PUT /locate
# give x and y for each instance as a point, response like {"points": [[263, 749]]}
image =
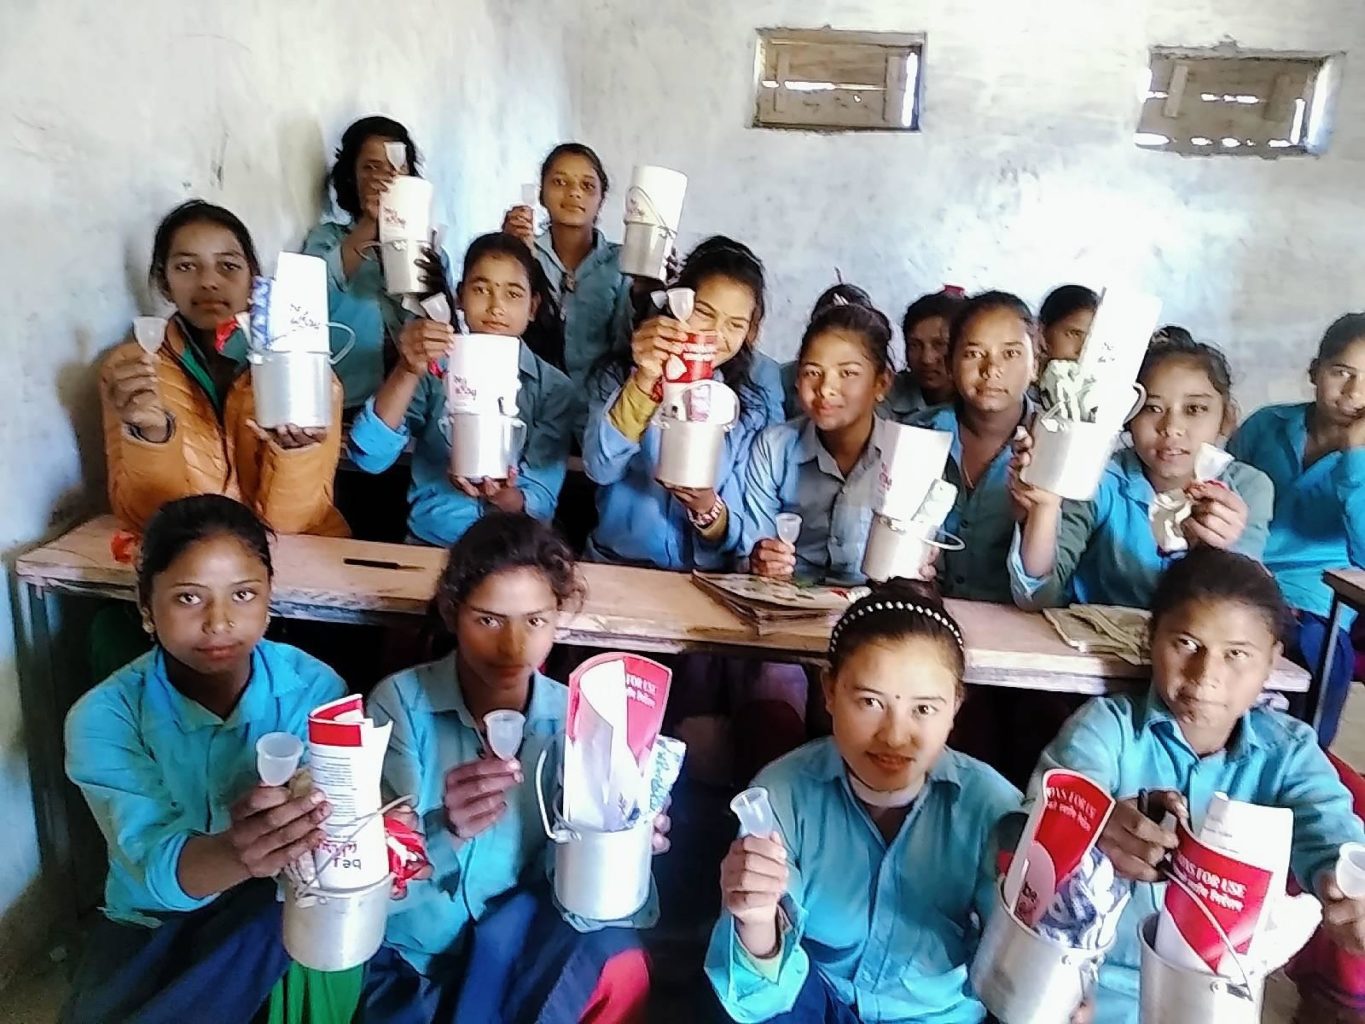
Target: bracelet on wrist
{"points": [[707, 519]]}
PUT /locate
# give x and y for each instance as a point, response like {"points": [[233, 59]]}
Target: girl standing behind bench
{"points": [[179, 421]]}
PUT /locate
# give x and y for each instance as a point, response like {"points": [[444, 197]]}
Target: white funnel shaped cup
{"points": [[277, 757], [505, 730], [788, 527], [755, 812], [1351, 870]]}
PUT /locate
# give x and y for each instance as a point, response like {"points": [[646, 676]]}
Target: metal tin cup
{"points": [[335, 930], [1024, 978], [291, 387], [484, 444], [690, 453], [1170, 994], [897, 549], [601, 876]]}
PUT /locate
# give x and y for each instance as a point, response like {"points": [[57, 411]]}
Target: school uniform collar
{"points": [[810, 449], [528, 363], [597, 252], [1154, 716], [905, 395], [945, 417], [829, 766], [1128, 467], [166, 704], [442, 687]]}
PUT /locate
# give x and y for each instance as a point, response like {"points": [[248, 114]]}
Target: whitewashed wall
{"points": [[1025, 174], [111, 113]]}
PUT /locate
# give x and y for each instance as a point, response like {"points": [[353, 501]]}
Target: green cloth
{"points": [[116, 638], [306, 996]]}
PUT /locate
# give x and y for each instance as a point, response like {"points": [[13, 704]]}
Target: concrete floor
{"points": [[36, 997]]}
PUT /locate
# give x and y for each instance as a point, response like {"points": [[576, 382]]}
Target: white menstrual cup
{"points": [[788, 527], [530, 195], [397, 154], [755, 812], [277, 757], [505, 730], [149, 332], [1351, 870]]}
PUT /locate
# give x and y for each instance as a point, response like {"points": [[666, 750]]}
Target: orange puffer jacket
{"points": [[290, 489]]}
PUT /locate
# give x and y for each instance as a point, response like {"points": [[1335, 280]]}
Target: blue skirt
{"points": [[524, 965], [215, 965]]}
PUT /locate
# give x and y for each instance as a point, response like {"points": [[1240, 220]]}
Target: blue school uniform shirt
{"points": [[439, 512], [596, 309], [158, 768], [1319, 520], [1106, 553], [638, 521], [790, 470], [982, 518], [905, 400], [433, 732], [1131, 743], [893, 926], [362, 304]]}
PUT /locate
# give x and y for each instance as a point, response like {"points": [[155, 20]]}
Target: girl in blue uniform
{"points": [[501, 292], [356, 295], [925, 382], [1064, 320], [1103, 551], [640, 521], [164, 752], [481, 941], [1217, 620], [1314, 453], [825, 464], [991, 347], [867, 902], [842, 293]]}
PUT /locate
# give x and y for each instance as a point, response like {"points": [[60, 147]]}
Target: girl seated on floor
{"points": [[866, 903], [1103, 551], [502, 291], [482, 939], [164, 752], [1217, 624]]}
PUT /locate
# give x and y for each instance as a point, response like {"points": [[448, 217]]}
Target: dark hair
{"points": [[898, 610], [1172, 332], [1344, 330], [575, 149], [196, 211], [343, 177], [1062, 302], [871, 325], [545, 333], [988, 302], [1166, 347], [841, 294], [509, 540], [717, 256], [1212, 574], [179, 524], [943, 304]]}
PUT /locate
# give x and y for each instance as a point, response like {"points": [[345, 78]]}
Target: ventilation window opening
{"points": [[1246, 104], [832, 80]]}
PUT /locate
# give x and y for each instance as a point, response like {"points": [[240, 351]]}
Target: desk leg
{"points": [[41, 695], [1318, 684]]}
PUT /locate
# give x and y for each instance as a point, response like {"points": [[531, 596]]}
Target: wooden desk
{"points": [[1348, 589], [643, 609]]}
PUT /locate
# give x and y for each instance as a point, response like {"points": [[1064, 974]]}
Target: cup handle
{"points": [[1137, 405]]}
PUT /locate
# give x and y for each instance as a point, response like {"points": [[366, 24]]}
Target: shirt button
{"points": [[959, 579]]}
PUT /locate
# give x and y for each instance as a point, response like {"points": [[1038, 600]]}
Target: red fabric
{"points": [[1321, 969], [622, 992]]}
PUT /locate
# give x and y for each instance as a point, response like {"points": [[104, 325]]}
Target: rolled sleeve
{"points": [[373, 445], [1323, 816], [752, 990]]}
